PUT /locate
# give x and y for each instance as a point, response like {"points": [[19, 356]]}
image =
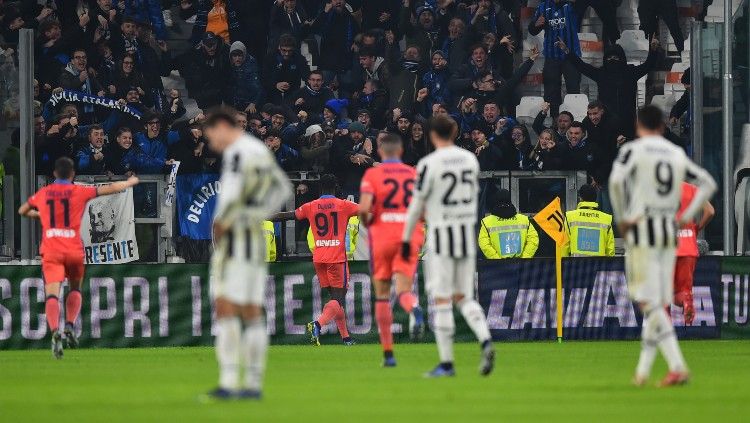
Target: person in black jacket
{"points": [[489, 154], [206, 71], [581, 154], [312, 97], [559, 126], [550, 151], [607, 12], [283, 71], [337, 28], [604, 132], [617, 81], [649, 13]]}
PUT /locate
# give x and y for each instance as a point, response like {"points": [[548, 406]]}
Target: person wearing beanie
{"points": [[424, 32], [244, 91], [589, 229], [333, 112], [505, 233]]}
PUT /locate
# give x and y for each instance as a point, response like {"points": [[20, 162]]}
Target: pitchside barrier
{"points": [[168, 304]]}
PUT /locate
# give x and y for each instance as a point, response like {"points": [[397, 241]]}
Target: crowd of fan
{"points": [[381, 66]]}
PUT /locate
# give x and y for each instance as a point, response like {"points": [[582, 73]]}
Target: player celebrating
{"points": [[687, 253], [60, 207], [645, 186], [446, 192], [386, 192], [328, 216], [252, 187]]}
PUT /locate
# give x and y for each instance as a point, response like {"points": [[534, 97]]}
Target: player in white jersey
{"points": [[645, 187], [446, 193], [252, 188]]}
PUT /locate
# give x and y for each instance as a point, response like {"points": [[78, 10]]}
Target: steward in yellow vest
{"points": [[589, 229], [270, 236], [507, 234]]}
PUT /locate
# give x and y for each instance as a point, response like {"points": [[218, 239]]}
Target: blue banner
{"points": [[196, 199], [71, 96], [519, 298]]}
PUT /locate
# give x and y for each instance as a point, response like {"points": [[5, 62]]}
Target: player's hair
{"points": [[587, 193], [391, 143], [444, 127], [650, 118], [596, 104], [221, 115], [327, 184], [64, 168]]}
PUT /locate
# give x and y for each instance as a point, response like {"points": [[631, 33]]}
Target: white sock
{"points": [[475, 318], [648, 347], [228, 351], [445, 327], [255, 346], [667, 342]]}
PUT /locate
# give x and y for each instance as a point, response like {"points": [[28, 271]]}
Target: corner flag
{"points": [[552, 220]]}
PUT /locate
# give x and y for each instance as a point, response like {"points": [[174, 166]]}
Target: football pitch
{"points": [[575, 381]]}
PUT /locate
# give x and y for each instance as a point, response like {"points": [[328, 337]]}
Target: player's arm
{"points": [[620, 169], [281, 216], [708, 214], [116, 187], [532, 242], [365, 206], [706, 186], [485, 244], [27, 211], [416, 207]]}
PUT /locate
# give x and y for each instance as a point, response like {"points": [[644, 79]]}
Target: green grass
{"points": [[575, 381]]}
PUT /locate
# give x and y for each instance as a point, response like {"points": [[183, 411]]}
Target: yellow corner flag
{"points": [[552, 220]]}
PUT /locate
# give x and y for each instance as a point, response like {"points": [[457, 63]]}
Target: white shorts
{"points": [[239, 274], [447, 276], [650, 274]]}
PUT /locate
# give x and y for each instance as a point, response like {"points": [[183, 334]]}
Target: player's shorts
{"points": [[56, 266], [386, 259], [238, 277], [650, 272], [332, 275], [683, 274], [447, 276]]}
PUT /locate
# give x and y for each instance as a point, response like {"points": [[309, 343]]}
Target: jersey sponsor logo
{"points": [[327, 243], [393, 217], [557, 23], [59, 233], [685, 233]]}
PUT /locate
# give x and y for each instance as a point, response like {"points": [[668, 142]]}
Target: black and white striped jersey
{"points": [[645, 188], [446, 192], [253, 186]]}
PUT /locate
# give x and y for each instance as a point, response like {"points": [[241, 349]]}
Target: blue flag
{"points": [[196, 199]]}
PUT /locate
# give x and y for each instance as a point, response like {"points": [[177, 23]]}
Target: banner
{"points": [[169, 305], [171, 184], [108, 229], [71, 96], [519, 298], [196, 199]]}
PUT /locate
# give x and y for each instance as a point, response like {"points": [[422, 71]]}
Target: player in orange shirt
{"points": [[328, 217], [59, 207], [687, 253], [386, 191]]}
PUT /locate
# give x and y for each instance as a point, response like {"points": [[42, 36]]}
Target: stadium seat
{"points": [[528, 108], [634, 43], [592, 50], [672, 84], [577, 104]]}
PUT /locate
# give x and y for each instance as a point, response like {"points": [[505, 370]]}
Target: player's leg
{"points": [[404, 271], [384, 319], [54, 274], [472, 312], [330, 309], [438, 273], [637, 271], [668, 346], [74, 268], [683, 287], [338, 294], [255, 348]]}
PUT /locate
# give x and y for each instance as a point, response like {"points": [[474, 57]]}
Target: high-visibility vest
{"points": [[352, 235], [508, 238], [589, 232], [269, 234]]}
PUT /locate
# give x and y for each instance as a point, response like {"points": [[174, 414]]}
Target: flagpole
{"points": [[558, 291]]}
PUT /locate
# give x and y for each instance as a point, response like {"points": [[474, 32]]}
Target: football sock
{"points": [[341, 323], [667, 342], [648, 347], [52, 311], [474, 316], [407, 301], [330, 309], [228, 351], [445, 327], [72, 306], [255, 347], [384, 317]]}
